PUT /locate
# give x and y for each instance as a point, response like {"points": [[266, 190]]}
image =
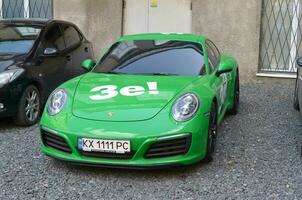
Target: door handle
{"points": [[68, 58]]}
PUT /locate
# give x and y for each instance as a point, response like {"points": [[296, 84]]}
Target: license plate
{"points": [[99, 145]]}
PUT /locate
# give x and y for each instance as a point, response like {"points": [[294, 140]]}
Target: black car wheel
{"points": [[212, 134], [234, 109], [29, 107], [296, 99]]}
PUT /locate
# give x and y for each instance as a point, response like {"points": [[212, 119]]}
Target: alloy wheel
{"points": [[32, 105]]}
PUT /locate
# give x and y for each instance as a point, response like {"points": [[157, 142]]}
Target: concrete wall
{"points": [[100, 20], [234, 25]]}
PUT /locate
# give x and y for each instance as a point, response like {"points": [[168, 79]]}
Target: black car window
{"points": [[153, 57], [213, 54], [71, 35], [17, 39], [54, 38], [212, 58]]}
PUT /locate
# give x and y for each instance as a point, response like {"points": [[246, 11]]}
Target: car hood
{"points": [[107, 97], [8, 60]]}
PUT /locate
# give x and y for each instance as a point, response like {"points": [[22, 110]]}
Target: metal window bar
{"points": [[26, 9], [281, 36]]}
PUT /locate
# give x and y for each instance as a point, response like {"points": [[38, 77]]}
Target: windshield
{"points": [[17, 39], [153, 57]]}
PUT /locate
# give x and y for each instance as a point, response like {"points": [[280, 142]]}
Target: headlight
{"points": [[10, 75], [185, 107], [56, 102]]}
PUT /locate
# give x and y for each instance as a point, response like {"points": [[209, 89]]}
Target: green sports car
{"points": [[152, 100]]}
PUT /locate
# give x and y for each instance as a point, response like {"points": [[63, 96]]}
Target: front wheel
{"points": [[296, 99], [212, 134], [234, 109], [29, 107]]}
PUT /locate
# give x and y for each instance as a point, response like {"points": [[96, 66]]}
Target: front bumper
{"points": [[142, 135]]}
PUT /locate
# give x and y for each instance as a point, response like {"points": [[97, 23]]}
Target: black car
{"points": [[36, 56], [298, 87]]}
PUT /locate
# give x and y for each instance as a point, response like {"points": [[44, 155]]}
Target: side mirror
{"points": [[299, 62], [226, 65], [88, 64], [50, 52]]}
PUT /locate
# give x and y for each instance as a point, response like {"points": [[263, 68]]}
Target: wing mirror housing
{"points": [[88, 64], [226, 65], [50, 52], [299, 62]]}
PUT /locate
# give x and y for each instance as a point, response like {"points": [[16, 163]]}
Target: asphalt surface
{"points": [[257, 157]]}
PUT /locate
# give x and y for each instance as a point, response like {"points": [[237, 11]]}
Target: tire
{"points": [[212, 134], [296, 99], [234, 109], [29, 108]]}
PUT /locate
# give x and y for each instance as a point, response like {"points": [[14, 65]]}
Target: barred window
{"points": [[26, 8]]}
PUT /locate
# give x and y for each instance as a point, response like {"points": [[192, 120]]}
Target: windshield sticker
{"points": [[111, 91]]}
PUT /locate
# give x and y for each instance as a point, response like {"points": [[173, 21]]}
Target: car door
{"points": [[77, 48], [50, 68], [220, 83]]}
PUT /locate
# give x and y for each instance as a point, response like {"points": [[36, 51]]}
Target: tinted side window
{"points": [[72, 37], [54, 38], [211, 58], [213, 54], [215, 50]]}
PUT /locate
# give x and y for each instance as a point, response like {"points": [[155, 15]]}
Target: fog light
{"points": [[1, 106]]}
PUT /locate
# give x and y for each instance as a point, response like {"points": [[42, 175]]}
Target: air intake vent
{"points": [[55, 141], [169, 148], [125, 156]]}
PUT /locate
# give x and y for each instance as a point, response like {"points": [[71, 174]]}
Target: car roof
{"points": [[31, 21], [164, 36]]}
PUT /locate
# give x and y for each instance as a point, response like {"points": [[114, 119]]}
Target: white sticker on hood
{"points": [[110, 91]]}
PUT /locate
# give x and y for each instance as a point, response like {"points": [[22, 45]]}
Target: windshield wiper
{"points": [[148, 74], [112, 72], [159, 74]]}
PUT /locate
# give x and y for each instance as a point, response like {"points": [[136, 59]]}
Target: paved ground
{"points": [[258, 157]]}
